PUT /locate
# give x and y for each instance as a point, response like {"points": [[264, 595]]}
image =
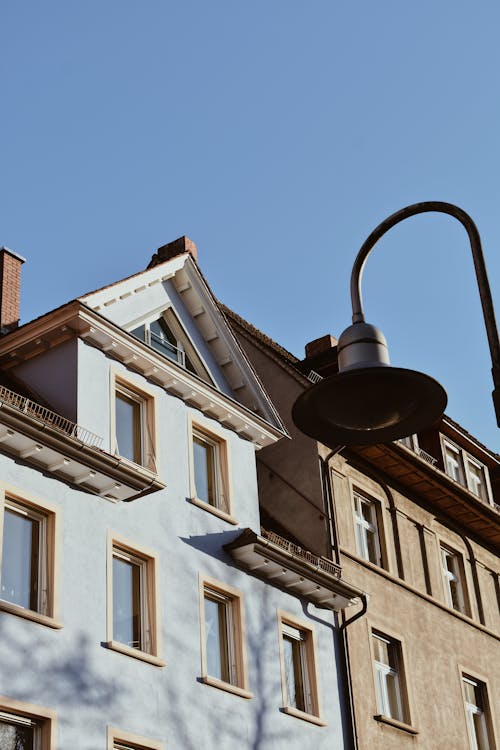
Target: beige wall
{"points": [[438, 643]]}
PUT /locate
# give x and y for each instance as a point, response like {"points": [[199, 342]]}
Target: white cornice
{"points": [[77, 320]]}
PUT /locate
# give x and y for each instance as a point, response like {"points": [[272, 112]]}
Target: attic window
{"points": [[165, 334]]}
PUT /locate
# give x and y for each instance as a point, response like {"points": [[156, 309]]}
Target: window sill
{"points": [[29, 614], [212, 509], [291, 711], [135, 653], [396, 724], [214, 682]]}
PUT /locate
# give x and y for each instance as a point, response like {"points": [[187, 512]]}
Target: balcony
{"points": [[48, 441], [290, 567]]}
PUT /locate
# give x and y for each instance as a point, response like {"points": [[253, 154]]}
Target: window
{"points": [[367, 533], [167, 336], [134, 425], [26, 727], [132, 594], [411, 442], [209, 472], [119, 740], [476, 478], [476, 713], [298, 668], [27, 573], [453, 580], [223, 654], [388, 677], [465, 470]]}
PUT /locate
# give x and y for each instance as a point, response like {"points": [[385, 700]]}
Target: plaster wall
{"points": [[53, 375], [289, 477], [90, 686], [438, 643]]}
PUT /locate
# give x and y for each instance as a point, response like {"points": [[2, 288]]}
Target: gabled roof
{"points": [[189, 283], [92, 318]]}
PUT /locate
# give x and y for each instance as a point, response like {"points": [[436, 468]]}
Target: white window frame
{"points": [[47, 515], [394, 670], [476, 710], [149, 649], [232, 600], [121, 385], [362, 527], [184, 346], [455, 576], [466, 478], [222, 505], [301, 632]]}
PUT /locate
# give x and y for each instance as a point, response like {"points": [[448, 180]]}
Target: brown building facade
{"points": [[415, 525]]}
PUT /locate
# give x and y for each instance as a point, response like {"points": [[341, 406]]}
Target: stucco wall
{"points": [[90, 686]]}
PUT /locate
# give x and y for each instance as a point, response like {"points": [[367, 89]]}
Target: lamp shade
{"points": [[368, 401]]}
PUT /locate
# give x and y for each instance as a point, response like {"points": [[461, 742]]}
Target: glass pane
{"points": [[163, 340], [13, 737], [139, 332], [372, 542], [393, 696], [480, 731], [19, 582], [127, 603], [381, 651], [128, 428], [216, 639], [293, 673], [204, 470]]}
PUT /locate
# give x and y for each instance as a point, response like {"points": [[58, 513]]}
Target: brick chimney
{"points": [[318, 346], [321, 356], [10, 289], [171, 249]]}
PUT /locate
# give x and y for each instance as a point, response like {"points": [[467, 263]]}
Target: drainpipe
{"points": [[331, 522]]}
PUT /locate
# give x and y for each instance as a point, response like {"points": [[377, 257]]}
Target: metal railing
{"points": [[319, 562], [48, 417]]}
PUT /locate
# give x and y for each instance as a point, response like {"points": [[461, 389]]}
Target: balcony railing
{"points": [[48, 417], [319, 562]]}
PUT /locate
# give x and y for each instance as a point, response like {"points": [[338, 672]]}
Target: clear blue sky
{"points": [[276, 135]]}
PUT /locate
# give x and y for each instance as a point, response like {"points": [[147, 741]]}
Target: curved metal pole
{"points": [[479, 265]]}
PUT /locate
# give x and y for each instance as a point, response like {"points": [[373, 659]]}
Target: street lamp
{"points": [[368, 401]]}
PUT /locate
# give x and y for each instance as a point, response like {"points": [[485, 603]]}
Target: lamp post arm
{"points": [[479, 265]]}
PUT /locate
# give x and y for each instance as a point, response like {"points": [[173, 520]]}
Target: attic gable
{"points": [[175, 287]]}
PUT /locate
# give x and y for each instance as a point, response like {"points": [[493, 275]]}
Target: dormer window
{"points": [[160, 336], [166, 335], [466, 470]]}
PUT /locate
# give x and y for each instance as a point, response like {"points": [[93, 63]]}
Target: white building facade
{"points": [[141, 604]]}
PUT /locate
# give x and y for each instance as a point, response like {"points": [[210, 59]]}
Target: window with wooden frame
{"points": [[120, 740], [298, 669], [134, 427], [366, 521], [210, 472], [222, 637], [133, 626], [28, 559], [26, 727], [477, 713], [455, 589], [389, 677]]}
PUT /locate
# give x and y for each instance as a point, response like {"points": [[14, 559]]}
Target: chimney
{"points": [[321, 356], [318, 346], [171, 249], [10, 289]]}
